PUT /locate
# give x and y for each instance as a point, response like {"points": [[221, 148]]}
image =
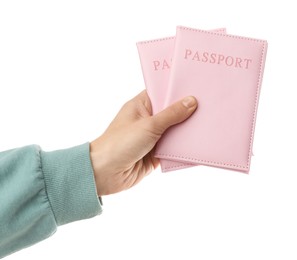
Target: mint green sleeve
{"points": [[40, 191]]}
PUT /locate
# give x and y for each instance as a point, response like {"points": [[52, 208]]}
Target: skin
{"points": [[124, 154]]}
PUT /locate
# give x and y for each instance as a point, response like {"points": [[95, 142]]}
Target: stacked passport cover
{"points": [[224, 72]]}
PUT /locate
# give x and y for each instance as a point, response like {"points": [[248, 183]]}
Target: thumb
{"points": [[175, 113]]}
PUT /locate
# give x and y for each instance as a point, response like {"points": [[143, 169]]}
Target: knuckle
{"points": [[154, 129], [177, 109]]}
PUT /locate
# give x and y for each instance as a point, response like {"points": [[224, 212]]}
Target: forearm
{"points": [[42, 190]]}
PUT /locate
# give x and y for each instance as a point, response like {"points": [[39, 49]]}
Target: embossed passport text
{"points": [[224, 73]]}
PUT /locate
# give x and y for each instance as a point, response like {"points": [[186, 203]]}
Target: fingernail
{"points": [[189, 102]]}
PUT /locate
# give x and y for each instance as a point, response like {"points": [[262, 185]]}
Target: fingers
{"points": [[174, 114]]}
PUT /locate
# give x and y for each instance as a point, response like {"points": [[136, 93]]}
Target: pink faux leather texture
{"points": [[224, 72], [156, 60]]}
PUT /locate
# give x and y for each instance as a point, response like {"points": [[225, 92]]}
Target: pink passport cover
{"points": [[224, 73], [156, 59]]}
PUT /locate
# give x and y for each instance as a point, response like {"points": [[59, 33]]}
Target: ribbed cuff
{"points": [[70, 184]]}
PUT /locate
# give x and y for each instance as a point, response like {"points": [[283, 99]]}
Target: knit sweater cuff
{"points": [[70, 184]]}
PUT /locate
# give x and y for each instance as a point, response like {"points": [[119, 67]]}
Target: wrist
{"points": [[100, 165]]}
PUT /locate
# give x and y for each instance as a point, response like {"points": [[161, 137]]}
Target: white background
{"points": [[66, 67]]}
